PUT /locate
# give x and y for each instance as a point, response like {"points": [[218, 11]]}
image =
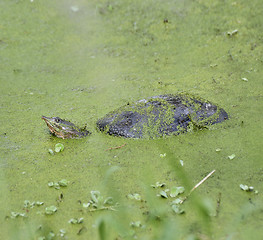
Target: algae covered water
{"points": [[82, 59]]}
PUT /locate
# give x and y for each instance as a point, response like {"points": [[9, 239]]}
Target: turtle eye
{"points": [[57, 120]]}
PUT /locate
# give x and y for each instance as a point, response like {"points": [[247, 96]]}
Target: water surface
{"points": [[81, 59]]}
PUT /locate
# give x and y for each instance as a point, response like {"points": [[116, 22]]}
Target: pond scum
{"points": [[164, 216], [190, 46]]}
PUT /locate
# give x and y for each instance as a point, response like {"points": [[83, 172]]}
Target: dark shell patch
{"points": [[161, 115]]}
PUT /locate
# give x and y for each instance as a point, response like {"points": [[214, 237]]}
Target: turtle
{"points": [[153, 117]]}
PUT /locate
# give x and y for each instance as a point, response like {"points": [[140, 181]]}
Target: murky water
{"points": [[81, 59]]}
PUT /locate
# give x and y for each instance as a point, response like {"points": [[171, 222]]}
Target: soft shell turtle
{"points": [[149, 118]]}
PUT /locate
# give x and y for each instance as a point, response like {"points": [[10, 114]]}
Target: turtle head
{"points": [[64, 129]]}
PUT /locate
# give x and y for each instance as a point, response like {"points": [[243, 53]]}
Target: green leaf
{"points": [[63, 183], [175, 191], [108, 201], [76, 220], [26, 203], [136, 224], [73, 221], [50, 184], [59, 147], [102, 230], [246, 188], [177, 201], [17, 214], [135, 196], [86, 205], [98, 202], [62, 232], [177, 209], [163, 194], [231, 33], [38, 203], [232, 156], [110, 8], [95, 196], [50, 210], [158, 185], [56, 185], [74, 8], [50, 236], [51, 151]]}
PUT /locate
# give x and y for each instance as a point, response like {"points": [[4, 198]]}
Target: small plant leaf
{"points": [[177, 209], [177, 201], [232, 156], [158, 185], [95, 196], [102, 230], [163, 194], [50, 210], [50, 184], [59, 147], [175, 191], [76, 220], [162, 155], [135, 196], [136, 224], [63, 183], [86, 205], [51, 151]]}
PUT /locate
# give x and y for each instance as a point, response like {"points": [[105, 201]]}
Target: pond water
{"points": [[81, 59]]}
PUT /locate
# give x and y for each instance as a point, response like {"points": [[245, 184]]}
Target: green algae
{"points": [[80, 65]]}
